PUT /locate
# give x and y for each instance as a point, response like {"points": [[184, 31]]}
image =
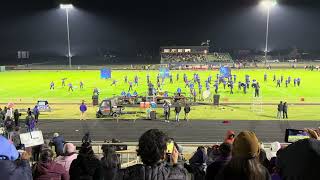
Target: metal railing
{"points": [[129, 157]]}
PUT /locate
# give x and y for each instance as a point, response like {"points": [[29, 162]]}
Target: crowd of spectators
{"points": [[240, 157], [183, 57], [10, 119], [195, 57]]}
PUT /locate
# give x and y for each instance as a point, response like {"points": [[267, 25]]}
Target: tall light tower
{"points": [[268, 4], [67, 7]]}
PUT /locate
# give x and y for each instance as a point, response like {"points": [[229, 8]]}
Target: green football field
{"points": [[29, 86]]}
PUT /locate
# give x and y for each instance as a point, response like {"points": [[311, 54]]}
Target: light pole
{"points": [[268, 4], [67, 7]]}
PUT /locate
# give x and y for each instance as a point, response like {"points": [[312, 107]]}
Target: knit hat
{"points": [[246, 145], [69, 148]]}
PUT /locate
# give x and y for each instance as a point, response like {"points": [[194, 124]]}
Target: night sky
{"points": [[128, 28]]}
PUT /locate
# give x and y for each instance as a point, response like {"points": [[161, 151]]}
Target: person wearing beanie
{"points": [[87, 165], [69, 154], [10, 167], [244, 164]]}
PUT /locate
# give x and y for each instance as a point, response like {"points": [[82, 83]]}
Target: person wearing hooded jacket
{"points": [[11, 168], [223, 159], [87, 166], [198, 164], [69, 154], [46, 168]]}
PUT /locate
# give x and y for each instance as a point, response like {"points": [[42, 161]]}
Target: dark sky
{"points": [[127, 27]]}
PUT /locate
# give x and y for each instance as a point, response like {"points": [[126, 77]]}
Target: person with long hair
{"points": [[110, 163], [46, 168], [87, 166], [244, 164]]}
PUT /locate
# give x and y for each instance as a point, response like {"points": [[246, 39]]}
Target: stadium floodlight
{"points": [[268, 4], [67, 7]]}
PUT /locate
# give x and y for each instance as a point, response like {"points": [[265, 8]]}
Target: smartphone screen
{"points": [[293, 135], [170, 146]]}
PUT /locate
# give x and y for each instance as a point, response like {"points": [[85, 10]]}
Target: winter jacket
{"points": [[83, 108], [187, 109], [155, 172], [49, 170], [214, 168], [36, 111], [16, 115], [177, 109], [85, 168], [66, 161], [198, 164], [15, 170], [58, 144], [30, 122]]}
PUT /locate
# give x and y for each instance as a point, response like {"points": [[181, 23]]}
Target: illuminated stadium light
{"points": [[66, 6], [268, 3]]}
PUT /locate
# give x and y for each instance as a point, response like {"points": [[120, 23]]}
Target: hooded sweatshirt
{"points": [[49, 170], [9, 168], [66, 161]]}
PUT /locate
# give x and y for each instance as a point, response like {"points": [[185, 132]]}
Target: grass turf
{"points": [[30, 86]]}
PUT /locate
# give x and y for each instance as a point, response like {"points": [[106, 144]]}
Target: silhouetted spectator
{"points": [[198, 164], [300, 160], [187, 110], [9, 125], [110, 163], [87, 166], [16, 116], [152, 151], [177, 110], [225, 156], [285, 110], [15, 138], [263, 158], [244, 163], [86, 138]]}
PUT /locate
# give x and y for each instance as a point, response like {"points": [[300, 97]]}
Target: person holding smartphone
{"points": [[154, 149]]}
